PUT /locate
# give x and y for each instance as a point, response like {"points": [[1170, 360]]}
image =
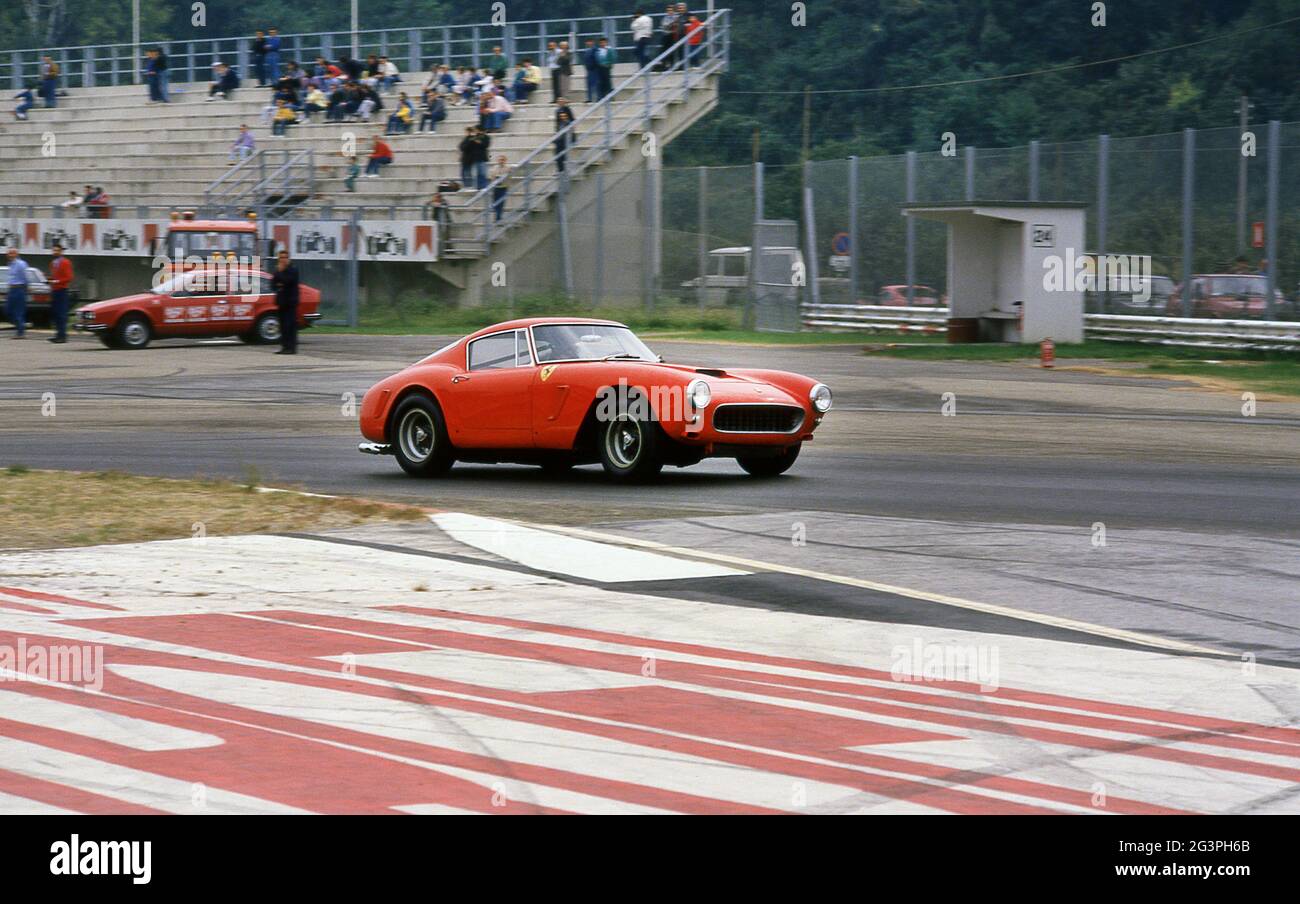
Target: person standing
{"points": [[593, 70], [16, 294], [49, 82], [671, 28], [271, 60], [60, 284], [563, 140], [605, 59], [285, 284], [643, 28], [565, 72], [500, 176], [258, 49]]}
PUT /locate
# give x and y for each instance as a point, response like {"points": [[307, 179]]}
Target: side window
{"points": [[493, 352], [523, 357]]}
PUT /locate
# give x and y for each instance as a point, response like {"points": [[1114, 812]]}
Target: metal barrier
{"points": [[1194, 332], [287, 175], [410, 48], [885, 318]]}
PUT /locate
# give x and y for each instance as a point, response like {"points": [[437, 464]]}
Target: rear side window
{"points": [[494, 352]]}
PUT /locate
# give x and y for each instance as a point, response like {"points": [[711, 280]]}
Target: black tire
{"points": [[132, 332], [419, 438], [770, 465], [557, 467], [629, 448], [266, 330], [106, 337]]}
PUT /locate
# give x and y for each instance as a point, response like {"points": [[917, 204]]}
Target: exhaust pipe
{"points": [[375, 448]]}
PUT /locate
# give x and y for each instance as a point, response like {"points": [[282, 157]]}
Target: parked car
{"points": [[199, 303], [558, 392], [1131, 303], [1227, 296], [922, 297], [38, 294], [727, 275]]}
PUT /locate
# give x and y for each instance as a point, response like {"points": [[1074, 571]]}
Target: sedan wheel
{"points": [[267, 329], [629, 449], [133, 332], [420, 441]]}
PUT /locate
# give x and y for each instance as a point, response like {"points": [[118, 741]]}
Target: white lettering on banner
{"points": [[376, 240]]}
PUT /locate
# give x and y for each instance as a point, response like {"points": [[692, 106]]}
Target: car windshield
{"points": [[588, 342], [221, 282]]}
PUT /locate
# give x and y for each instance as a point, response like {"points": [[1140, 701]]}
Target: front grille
{"points": [[757, 418]]}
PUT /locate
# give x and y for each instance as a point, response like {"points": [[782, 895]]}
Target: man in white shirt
{"points": [[642, 28], [388, 74]]}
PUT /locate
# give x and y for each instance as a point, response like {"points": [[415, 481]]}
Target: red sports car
{"points": [[200, 303], [558, 392]]}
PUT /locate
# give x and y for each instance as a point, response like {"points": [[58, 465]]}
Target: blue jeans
{"points": [[155, 87], [16, 308], [162, 86], [480, 174], [593, 84], [499, 200], [49, 87], [271, 65], [372, 167], [642, 55], [59, 313]]}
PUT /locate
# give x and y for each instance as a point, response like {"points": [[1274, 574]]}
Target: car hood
{"points": [[109, 303], [727, 386]]}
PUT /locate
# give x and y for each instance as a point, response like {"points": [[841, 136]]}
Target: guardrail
{"points": [[412, 49], [1186, 332], [288, 175]]}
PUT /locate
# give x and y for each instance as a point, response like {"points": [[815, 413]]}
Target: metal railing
{"points": [[287, 175], [538, 172], [412, 48]]}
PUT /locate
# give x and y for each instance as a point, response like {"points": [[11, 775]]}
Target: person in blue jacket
{"points": [[26, 98], [593, 70], [271, 59]]}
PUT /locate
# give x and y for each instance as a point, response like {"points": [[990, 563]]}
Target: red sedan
{"points": [[199, 304], [557, 392]]}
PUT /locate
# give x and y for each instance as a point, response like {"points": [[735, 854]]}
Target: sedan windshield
{"points": [[588, 342], [1236, 285]]}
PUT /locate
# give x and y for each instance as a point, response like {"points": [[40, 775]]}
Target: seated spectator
{"points": [[315, 102], [338, 105], [101, 207], [368, 103], [242, 146], [283, 118], [435, 110], [74, 201], [381, 155], [401, 119], [463, 86], [499, 110], [225, 84], [484, 85], [388, 74], [370, 75], [527, 81], [26, 98]]}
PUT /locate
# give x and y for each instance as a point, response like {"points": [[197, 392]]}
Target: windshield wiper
{"points": [[621, 355]]}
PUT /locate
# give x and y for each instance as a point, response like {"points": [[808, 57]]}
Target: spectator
{"points": [[271, 59], [435, 110], [26, 98], [60, 283], [151, 77], [370, 76], [283, 118], [499, 176], [16, 294], [643, 28], [593, 70], [528, 80], [316, 102], [498, 111], [74, 201], [164, 75], [672, 27], [88, 198], [694, 40], [561, 85], [257, 50], [368, 102], [605, 59], [388, 74], [352, 69], [474, 157], [226, 83], [381, 155], [401, 119], [100, 205], [338, 104], [562, 106], [563, 140], [462, 87], [438, 211], [354, 170], [243, 145], [497, 65], [49, 82], [285, 283], [553, 67]]}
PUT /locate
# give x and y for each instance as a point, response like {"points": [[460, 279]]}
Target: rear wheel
{"points": [[770, 465], [629, 448], [133, 332], [420, 442]]}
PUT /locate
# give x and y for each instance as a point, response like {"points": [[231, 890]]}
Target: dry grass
{"points": [[45, 509]]}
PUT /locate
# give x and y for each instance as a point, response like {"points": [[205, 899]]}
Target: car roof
{"points": [[539, 321]]}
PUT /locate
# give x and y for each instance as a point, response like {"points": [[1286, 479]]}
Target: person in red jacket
{"points": [[60, 283], [380, 155]]}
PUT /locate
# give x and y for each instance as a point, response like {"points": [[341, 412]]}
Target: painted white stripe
{"points": [[547, 550], [12, 805], [99, 724]]}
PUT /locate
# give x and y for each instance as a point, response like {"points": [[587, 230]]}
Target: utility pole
{"points": [[758, 144], [807, 121], [1243, 116]]}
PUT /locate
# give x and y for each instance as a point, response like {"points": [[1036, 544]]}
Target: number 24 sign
{"points": [[1044, 235]]}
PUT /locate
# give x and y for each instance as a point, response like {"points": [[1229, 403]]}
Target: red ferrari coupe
{"points": [[558, 392]]}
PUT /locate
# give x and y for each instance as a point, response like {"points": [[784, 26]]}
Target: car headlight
{"points": [[87, 315], [699, 394], [820, 396]]}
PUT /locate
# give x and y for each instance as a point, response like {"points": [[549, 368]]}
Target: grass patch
{"points": [[44, 509]]}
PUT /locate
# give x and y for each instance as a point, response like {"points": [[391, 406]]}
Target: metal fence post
{"points": [[911, 228], [747, 318], [810, 240], [598, 284], [1270, 212], [415, 50], [1103, 204], [354, 271], [1033, 170], [566, 250], [1189, 185], [853, 230], [970, 172], [702, 224]]}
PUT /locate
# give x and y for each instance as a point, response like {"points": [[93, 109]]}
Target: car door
{"points": [[488, 405]]}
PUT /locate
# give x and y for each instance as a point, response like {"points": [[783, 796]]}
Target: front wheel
{"points": [[132, 332], [629, 449], [420, 442], [266, 331], [770, 465]]}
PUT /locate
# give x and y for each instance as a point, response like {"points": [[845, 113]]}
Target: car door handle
{"points": [[460, 378]]}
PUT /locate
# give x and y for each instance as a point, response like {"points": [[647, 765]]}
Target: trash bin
{"points": [[963, 329]]}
